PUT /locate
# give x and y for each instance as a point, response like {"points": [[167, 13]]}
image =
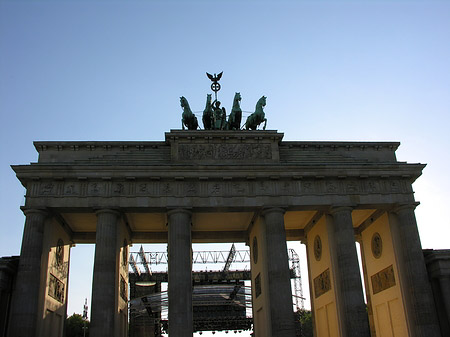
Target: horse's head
{"points": [[208, 98], [237, 96], [183, 101], [262, 101]]}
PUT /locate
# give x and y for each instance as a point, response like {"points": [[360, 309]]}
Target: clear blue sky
{"points": [[331, 70]]}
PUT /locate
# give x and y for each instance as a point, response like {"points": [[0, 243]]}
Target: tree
{"points": [[75, 325], [306, 322]]}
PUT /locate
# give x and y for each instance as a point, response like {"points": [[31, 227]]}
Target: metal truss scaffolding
{"points": [[221, 300]]}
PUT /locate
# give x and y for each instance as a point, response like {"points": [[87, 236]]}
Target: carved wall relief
{"points": [[47, 188], [118, 188], [317, 248], [243, 186], [96, 188], [59, 252], [71, 188], [383, 280], [224, 151], [372, 187], [255, 250], [258, 285], [123, 289], [377, 245], [216, 189], [322, 283], [352, 187], [331, 187], [56, 288], [308, 187]]}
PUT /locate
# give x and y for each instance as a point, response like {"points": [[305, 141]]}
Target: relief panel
{"points": [[383, 280], [118, 188], [56, 288], [96, 189], [224, 151], [322, 283], [71, 188], [48, 188]]}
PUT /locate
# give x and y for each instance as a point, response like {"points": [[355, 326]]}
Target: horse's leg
{"points": [[182, 124], [265, 123]]}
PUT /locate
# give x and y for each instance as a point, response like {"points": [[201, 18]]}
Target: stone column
{"points": [[180, 273], [278, 286], [28, 282], [352, 315], [105, 284], [417, 296], [444, 282]]}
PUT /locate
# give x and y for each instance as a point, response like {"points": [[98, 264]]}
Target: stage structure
{"points": [[225, 184], [221, 301]]}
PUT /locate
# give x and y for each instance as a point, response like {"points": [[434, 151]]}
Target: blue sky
{"points": [[331, 70]]}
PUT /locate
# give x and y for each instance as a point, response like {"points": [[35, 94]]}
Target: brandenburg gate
{"points": [[227, 186]]}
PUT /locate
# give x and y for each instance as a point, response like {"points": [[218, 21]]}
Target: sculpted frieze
{"points": [[96, 189], [271, 186], [239, 188], [72, 189], [264, 187], [352, 187], [308, 187], [119, 188], [224, 151], [192, 188], [146, 188], [372, 186], [216, 188], [287, 187], [331, 187], [47, 188]]}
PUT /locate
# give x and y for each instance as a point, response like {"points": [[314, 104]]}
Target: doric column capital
{"points": [[107, 211], [29, 211], [339, 208], [171, 211], [398, 208], [277, 209]]}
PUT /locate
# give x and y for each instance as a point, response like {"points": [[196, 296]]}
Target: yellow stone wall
{"points": [[387, 305], [325, 314], [121, 321], [50, 309], [260, 305]]}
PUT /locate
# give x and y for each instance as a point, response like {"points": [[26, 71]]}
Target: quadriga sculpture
{"points": [[219, 116], [208, 114], [234, 120], [258, 116], [188, 118]]}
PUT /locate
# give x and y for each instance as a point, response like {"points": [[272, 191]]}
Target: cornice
{"points": [[204, 172]]}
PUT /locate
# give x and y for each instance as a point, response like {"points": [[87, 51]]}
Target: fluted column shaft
{"points": [[279, 281], [353, 320], [26, 294], [444, 283], [416, 288], [180, 273], [104, 286]]}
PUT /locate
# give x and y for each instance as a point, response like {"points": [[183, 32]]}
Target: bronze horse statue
{"points": [[208, 114], [258, 116], [188, 118], [234, 120]]}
